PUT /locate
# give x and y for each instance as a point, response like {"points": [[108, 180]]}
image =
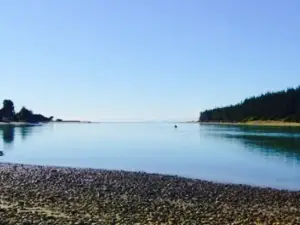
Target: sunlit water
{"points": [[261, 156]]}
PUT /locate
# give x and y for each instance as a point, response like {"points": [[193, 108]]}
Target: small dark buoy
{"points": [[175, 126], [1, 153]]}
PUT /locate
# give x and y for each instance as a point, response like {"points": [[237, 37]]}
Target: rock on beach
{"points": [[53, 195]]}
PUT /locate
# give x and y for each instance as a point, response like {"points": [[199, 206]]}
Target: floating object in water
{"points": [[175, 126], [1, 153]]}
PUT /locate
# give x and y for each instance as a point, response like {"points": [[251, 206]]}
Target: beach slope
{"points": [[51, 195]]}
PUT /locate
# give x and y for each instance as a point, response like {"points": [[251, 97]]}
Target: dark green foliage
{"points": [[283, 105], [24, 114], [7, 114]]}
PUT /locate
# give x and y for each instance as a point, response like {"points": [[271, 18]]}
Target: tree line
{"points": [[282, 105], [8, 114]]}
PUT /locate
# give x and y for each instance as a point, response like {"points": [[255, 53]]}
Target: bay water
{"points": [[255, 155]]}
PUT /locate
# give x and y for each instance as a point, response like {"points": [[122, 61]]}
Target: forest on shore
{"points": [[277, 106], [8, 114]]}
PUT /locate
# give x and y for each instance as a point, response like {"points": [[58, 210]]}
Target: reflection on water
{"points": [[270, 143], [7, 133], [254, 130], [25, 131], [267, 141]]}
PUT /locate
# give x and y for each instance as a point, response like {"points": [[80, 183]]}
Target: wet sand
{"points": [[52, 195]]}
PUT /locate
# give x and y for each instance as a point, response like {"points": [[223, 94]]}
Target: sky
{"points": [[116, 60]]}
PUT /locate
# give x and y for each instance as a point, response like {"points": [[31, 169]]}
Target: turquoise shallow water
{"points": [[261, 156]]}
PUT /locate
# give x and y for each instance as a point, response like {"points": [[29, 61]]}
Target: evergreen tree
{"points": [[282, 105]]}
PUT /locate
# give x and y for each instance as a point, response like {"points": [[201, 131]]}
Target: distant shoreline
{"points": [[40, 123], [72, 121], [256, 123], [249, 123]]}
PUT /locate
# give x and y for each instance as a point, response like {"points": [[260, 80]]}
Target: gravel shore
{"points": [[52, 195]]}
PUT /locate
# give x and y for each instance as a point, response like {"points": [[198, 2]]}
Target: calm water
{"points": [[250, 155]]}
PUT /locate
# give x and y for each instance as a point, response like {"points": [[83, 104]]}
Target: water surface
{"points": [[261, 156]]}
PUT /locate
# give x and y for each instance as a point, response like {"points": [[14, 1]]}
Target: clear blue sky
{"points": [[145, 59]]}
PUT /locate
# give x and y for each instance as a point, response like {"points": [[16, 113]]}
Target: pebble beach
{"points": [[52, 195]]}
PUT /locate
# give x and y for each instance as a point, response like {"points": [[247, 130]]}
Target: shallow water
{"points": [[261, 156]]}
